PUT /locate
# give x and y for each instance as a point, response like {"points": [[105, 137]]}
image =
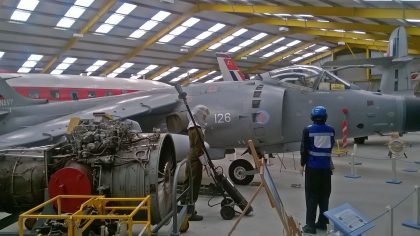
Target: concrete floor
{"points": [[370, 194]]}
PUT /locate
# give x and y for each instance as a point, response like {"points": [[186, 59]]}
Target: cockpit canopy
{"points": [[311, 77]]}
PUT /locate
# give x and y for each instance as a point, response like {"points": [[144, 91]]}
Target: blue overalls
{"points": [[319, 142]]}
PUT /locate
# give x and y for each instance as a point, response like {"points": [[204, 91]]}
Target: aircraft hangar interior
{"points": [[108, 101]]}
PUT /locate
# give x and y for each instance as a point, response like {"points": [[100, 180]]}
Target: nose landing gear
{"points": [[241, 172]]}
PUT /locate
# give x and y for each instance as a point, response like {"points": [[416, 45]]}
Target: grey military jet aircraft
{"points": [[271, 110]]}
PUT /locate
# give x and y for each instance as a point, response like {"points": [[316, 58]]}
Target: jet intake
{"points": [[412, 114]]}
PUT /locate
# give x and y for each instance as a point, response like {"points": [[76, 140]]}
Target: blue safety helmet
{"points": [[319, 113]]}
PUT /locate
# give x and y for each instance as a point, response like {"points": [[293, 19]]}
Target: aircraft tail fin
{"points": [[397, 45], [228, 68], [10, 98]]}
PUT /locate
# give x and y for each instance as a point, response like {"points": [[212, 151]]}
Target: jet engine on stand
{"points": [[103, 157]]}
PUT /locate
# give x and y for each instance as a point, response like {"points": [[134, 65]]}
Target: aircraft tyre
{"points": [[360, 140], [237, 171]]}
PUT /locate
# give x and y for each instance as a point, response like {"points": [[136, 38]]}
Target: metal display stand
{"points": [[415, 223], [353, 173], [348, 221]]}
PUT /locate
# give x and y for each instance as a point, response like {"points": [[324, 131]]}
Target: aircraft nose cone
{"points": [[412, 114]]}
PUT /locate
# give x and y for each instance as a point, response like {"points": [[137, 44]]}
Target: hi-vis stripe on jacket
{"points": [[321, 138]]}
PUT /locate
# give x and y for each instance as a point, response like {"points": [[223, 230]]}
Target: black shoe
{"points": [[309, 229], [321, 226], [195, 217]]}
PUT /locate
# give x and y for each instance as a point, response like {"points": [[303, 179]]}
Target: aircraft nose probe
{"points": [[222, 183]]}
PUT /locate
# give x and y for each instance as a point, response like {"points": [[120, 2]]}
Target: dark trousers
{"points": [[196, 150], [317, 194]]}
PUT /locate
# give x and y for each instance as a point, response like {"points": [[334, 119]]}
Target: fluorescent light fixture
{"points": [[303, 15], [75, 12], [252, 53], [413, 20], [297, 59], [339, 30], [297, 52], [227, 39], [234, 49], [268, 54], [28, 5], [259, 36], [190, 22], [278, 40], [112, 75], [69, 60], [119, 70], [56, 72], [151, 67], [114, 19], [214, 46], [161, 15], [192, 71], [100, 63], [104, 28], [20, 15], [29, 64], [293, 43], [204, 35], [137, 34], [239, 32], [92, 68], [1, 54], [323, 20], [321, 49], [358, 32], [217, 27], [35, 57], [178, 30], [127, 65], [84, 3], [150, 24], [282, 48], [62, 66], [126, 8], [266, 46], [166, 38], [165, 73], [308, 54], [192, 42], [246, 43], [173, 69], [281, 15], [65, 22], [24, 70]]}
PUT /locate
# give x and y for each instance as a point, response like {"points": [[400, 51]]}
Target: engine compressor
{"points": [[106, 157]]}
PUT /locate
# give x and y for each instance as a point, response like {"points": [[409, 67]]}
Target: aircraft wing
{"points": [[53, 130], [380, 61]]}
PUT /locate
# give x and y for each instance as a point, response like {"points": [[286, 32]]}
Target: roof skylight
{"points": [[179, 30], [248, 42], [204, 35], [74, 13], [150, 24], [33, 59], [63, 65], [95, 66], [166, 73], [23, 10], [266, 46], [116, 18], [120, 69], [228, 38], [144, 71], [214, 79], [192, 71], [1, 54]]}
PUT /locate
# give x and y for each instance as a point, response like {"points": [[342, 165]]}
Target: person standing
{"points": [[316, 146], [200, 114]]}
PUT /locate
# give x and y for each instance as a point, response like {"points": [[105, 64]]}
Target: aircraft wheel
{"points": [[360, 140], [237, 172], [227, 212]]}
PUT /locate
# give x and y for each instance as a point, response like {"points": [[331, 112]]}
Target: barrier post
{"points": [[353, 174], [415, 223], [391, 218], [394, 179]]}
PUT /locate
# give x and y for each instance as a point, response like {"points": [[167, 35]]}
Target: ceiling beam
{"points": [[323, 55], [141, 47], [278, 58], [334, 25], [338, 34], [200, 49], [102, 10], [372, 13]]}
